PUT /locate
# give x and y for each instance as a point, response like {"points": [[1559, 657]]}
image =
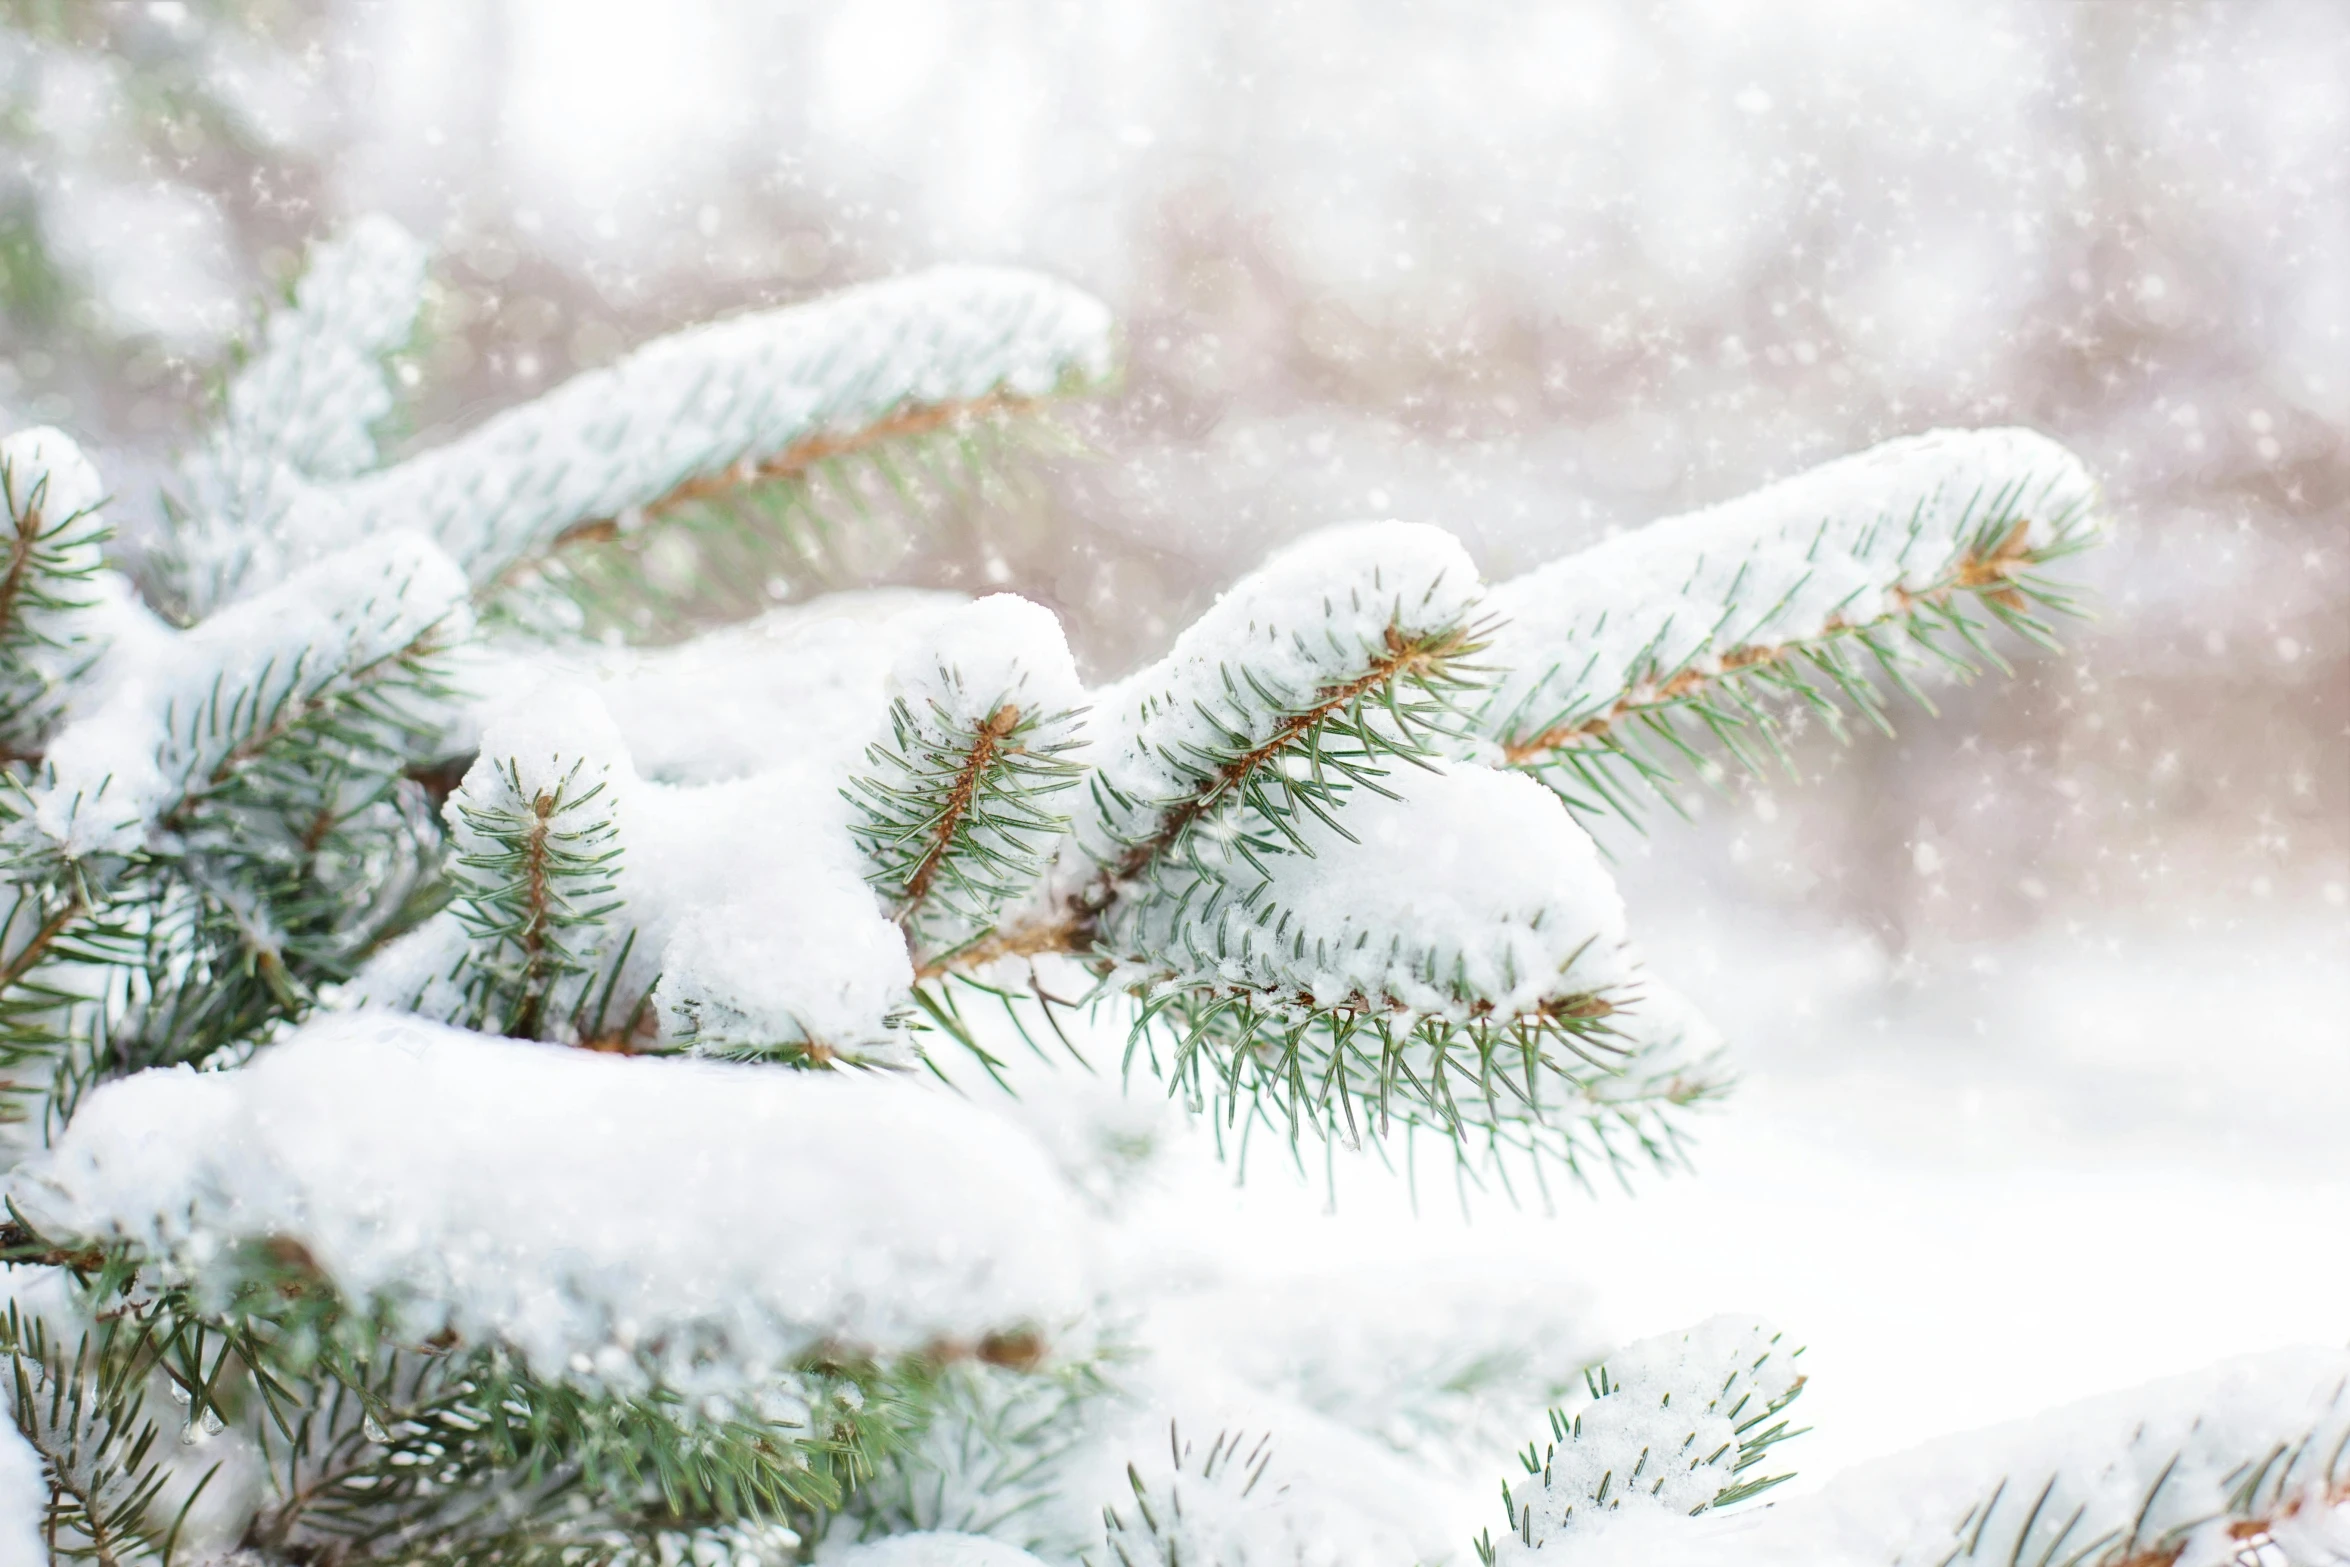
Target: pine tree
{"points": [[485, 1092]]}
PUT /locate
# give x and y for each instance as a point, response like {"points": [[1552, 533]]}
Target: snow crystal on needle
{"points": [[1839, 544], [695, 404], [1470, 893], [607, 1217], [204, 699], [1312, 617]]}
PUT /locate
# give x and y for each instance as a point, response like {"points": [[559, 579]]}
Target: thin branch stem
{"points": [[1989, 575]]}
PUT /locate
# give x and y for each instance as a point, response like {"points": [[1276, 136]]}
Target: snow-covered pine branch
{"points": [[958, 808], [2246, 1464], [327, 659], [49, 589], [533, 862], [1703, 627], [727, 918], [278, 878], [772, 394], [303, 410], [1674, 1426]]}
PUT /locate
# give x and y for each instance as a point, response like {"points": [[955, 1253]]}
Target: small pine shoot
{"points": [[534, 872]]}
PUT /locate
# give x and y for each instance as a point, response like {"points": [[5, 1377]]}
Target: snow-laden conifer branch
{"points": [[83, 1411], [278, 669], [956, 810], [423, 1454], [1675, 1425], [1342, 992], [993, 1459], [303, 409], [763, 395], [54, 551], [1706, 627], [2246, 1464], [739, 921]]}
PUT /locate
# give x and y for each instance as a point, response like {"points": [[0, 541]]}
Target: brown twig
{"points": [[1024, 941], [39, 942], [992, 735], [20, 559]]}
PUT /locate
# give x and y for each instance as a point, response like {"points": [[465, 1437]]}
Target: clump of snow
{"points": [[979, 656], [746, 898], [1464, 892], [801, 682], [609, 1218], [1445, 1364], [24, 1500], [1844, 544], [1662, 1435], [558, 733], [46, 456], [697, 403], [1312, 618], [2204, 1470], [777, 936], [209, 694]]}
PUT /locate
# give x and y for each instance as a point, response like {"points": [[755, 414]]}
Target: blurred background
{"points": [[2061, 979]]}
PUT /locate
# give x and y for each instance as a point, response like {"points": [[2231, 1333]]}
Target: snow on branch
{"points": [[1674, 1426], [614, 1222], [535, 849], [313, 395], [956, 810], [1806, 590], [55, 550], [728, 918], [1341, 658], [760, 395], [222, 695], [1446, 944], [85, 1466], [302, 410], [2242, 1465]]}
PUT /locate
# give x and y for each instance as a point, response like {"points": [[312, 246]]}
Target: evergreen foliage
{"points": [[533, 876], [369, 783]]}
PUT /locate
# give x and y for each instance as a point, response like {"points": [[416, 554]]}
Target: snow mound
{"points": [[609, 1218]]}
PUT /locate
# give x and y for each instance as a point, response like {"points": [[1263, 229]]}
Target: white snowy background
{"points": [[2043, 1008]]}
